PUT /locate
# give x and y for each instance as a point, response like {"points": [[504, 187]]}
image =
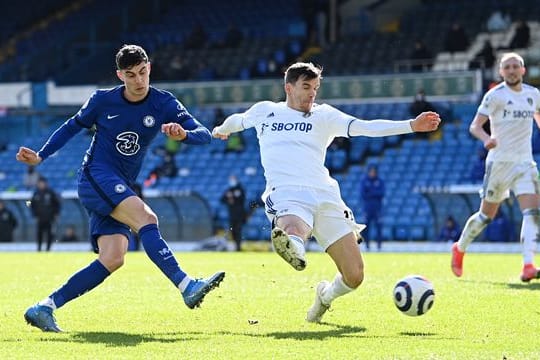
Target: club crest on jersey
{"points": [[530, 101], [119, 188], [149, 121]]}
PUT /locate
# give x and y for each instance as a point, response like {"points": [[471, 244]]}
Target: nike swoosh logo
{"points": [[109, 117]]}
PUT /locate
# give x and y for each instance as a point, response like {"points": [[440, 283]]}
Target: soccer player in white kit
{"points": [[301, 198], [510, 107]]}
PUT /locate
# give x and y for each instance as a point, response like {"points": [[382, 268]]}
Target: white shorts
{"points": [[324, 211], [503, 176]]}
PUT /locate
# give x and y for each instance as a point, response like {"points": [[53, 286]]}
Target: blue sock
{"points": [[80, 283], [159, 252]]}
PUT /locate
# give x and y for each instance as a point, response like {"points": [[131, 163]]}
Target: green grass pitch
{"points": [[258, 311]]}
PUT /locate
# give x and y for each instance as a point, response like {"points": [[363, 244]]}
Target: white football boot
{"points": [[291, 249], [317, 310]]}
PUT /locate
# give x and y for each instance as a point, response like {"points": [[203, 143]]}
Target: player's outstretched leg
{"points": [[529, 272], [457, 260], [198, 288], [318, 308], [42, 317], [290, 248]]}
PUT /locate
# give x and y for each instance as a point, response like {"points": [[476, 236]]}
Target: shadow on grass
{"points": [[524, 286], [419, 334], [337, 331], [532, 285], [125, 339]]}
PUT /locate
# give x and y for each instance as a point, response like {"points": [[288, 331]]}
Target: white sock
{"points": [[184, 283], [297, 239], [474, 226], [48, 302], [529, 234], [336, 289]]}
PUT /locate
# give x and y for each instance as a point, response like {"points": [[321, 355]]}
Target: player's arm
{"points": [[477, 130], [232, 124], [56, 141], [242, 121], [426, 121], [536, 116], [190, 132], [184, 127]]}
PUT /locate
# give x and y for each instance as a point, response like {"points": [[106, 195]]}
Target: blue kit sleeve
{"points": [[59, 138]]}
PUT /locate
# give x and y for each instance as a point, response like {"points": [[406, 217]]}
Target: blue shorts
{"points": [[100, 192]]}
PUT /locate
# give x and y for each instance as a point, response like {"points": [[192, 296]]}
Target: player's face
{"points": [[137, 81], [512, 72], [301, 95]]}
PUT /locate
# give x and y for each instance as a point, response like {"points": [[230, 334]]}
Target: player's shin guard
{"points": [[529, 234], [159, 252], [474, 226], [336, 289], [79, 284]]}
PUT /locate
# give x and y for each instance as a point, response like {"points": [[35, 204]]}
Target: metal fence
{"points": [[183, 216]]}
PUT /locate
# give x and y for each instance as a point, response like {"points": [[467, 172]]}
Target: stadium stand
{"points": [[267, 43], [38, 53]]}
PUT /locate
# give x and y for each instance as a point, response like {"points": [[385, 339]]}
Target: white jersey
{"points": [[511, 115], [293, 143]]}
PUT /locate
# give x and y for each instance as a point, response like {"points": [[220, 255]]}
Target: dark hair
{"points": [[129, 56], [304, 70]]}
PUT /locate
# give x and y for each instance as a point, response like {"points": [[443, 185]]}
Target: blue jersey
{"points": [[124, 130]]}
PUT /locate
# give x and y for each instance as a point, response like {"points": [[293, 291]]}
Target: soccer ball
{"points": [[414, 295]]}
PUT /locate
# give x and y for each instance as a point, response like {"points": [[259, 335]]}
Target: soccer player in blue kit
{"points": [[127, 118]]}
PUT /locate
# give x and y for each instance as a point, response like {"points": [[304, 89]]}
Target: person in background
{"points": [[450, 231], [30, 178], [511, 108], [419, 105], [235, 143], [372, 192], [235, 200], [479, 166], [128, 118], [70, 235], [498, 21], [500, 229], [421, 56], [522, 36], [456, 39], [45, 206], [167, 168], [8, 223], [485, 58]]}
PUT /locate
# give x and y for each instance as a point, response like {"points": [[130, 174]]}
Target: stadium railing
{"points": [[183, 215]]}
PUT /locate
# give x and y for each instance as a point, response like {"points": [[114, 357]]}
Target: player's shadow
{"points": [[111, 338], [524, 286], [417, 334], [116, 339], [337, 331], [533, 285]]}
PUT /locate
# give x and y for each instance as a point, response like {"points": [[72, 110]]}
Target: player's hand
{"points": [[218, 135], [28, 156], [174, 130], [426, 121], [490, 143]]}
